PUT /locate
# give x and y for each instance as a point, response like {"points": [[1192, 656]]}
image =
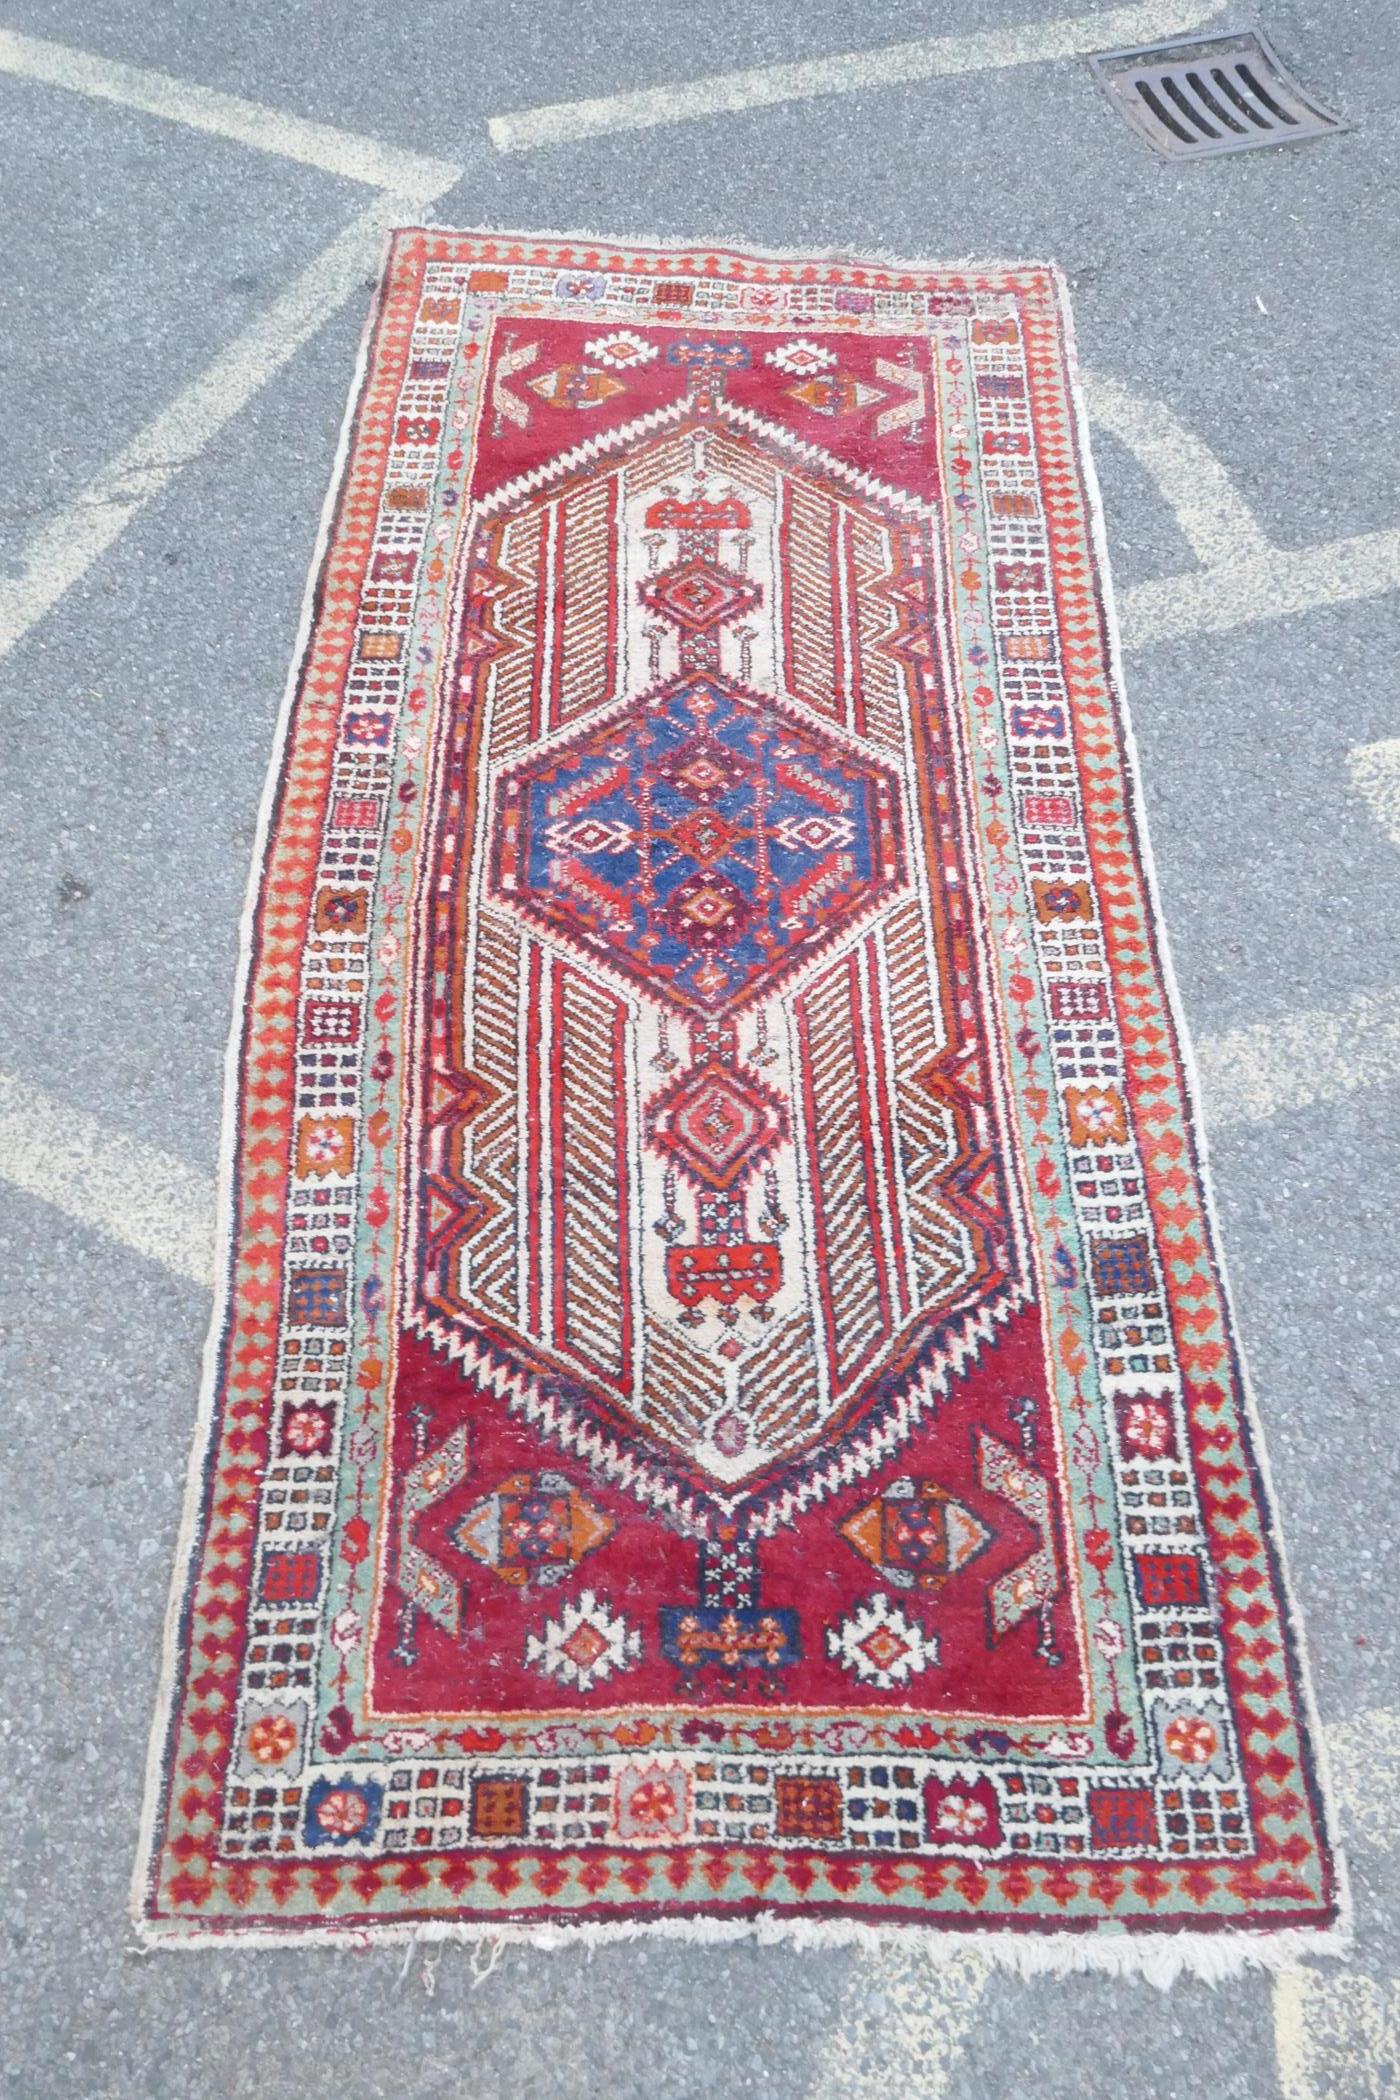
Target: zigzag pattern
{"points": [[811, 648], [589, 608], [596, 1285], [513, 495], [490, 1261], [884, 676], [830, 468], [513, 674], [781, 1390], [683, 1388], [606, 444], [700, 1510], [961, 1341], [928, 1137], [836, 1073]]}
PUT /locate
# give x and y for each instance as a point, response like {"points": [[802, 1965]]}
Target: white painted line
{"points": [[62, 550], [1375, 773], [1215, 519], [321, 146], [848, 72], [1266, 586], [1364, 1754], [1300, 1059], [901, 2027], [131, 1192], [1337, 2036]]}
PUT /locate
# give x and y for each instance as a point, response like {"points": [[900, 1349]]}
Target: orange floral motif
{"points": [[343, 1812], [1096, 1115], [1191, 1740], [272, 1739], [325, 1145]]}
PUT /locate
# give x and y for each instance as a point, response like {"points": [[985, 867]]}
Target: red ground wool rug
{"points": [[723, 1411]]}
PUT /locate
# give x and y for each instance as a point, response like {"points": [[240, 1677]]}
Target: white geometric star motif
{"points": [[879, 1645], [623, 351], [585, 1644], [801, 358], [813, 832], [588, 835]]}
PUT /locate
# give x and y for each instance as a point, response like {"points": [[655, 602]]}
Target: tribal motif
{"points": [[724, 1403]]}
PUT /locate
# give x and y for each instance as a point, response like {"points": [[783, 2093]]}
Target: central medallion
{"points": [[710, 1196], [706, 842]]}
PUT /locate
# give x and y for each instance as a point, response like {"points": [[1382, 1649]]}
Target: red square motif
{"points": [[809, 1807], [291, 1578], [1170, 1578], [1122, 1818]]}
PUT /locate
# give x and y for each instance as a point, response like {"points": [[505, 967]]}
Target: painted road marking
{"points": [[1375, 773], [1364, 1754], [901, 2025], [64, 549], [142, 1198], [1300, 1059], [1265, 586], [844, 73], [1217, 523], [1337, 2034], [1244, 577], [322, 146]]}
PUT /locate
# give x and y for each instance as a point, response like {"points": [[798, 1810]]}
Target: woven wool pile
{"points": [[723, 1413]]}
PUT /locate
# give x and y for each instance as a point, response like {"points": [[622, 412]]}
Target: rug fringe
{"points": [[1158, 1958], [862, 258]]}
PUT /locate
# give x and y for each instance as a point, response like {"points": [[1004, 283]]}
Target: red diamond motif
{"points": [[697, 594], [705, 835], [717, 1124]]}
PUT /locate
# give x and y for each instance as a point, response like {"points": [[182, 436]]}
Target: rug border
{"points": [[1198, 1138], [226, 1219], [1210, 1952]]}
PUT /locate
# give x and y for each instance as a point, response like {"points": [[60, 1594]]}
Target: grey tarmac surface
{"points": [[1258, 297]]}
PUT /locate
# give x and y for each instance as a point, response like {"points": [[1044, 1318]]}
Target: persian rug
{"points": [[722, 1411]]}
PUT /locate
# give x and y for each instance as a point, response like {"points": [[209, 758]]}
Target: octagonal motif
{"points": [[705, 843]]}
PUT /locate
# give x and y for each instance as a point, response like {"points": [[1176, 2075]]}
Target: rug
{"points": [[722, 1411]]}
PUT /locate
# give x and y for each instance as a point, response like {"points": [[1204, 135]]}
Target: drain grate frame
{"points": [[1196, 99]]}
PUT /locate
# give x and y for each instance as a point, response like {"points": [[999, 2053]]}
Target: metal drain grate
{"points": [[1218, 94]]}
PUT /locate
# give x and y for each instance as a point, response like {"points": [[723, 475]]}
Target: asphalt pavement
{"points": [[1252, 302]]}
